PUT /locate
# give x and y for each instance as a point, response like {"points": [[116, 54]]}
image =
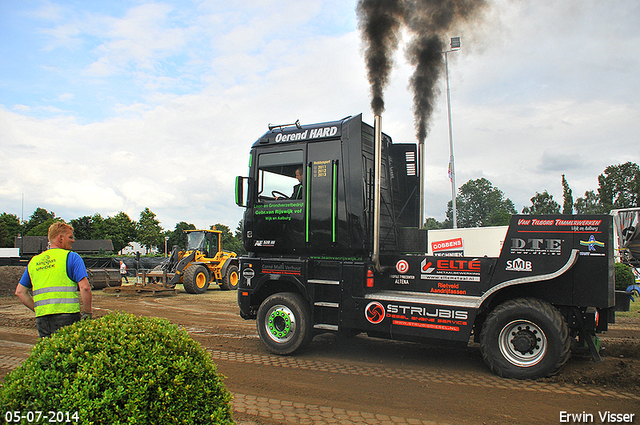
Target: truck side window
{"points": [[277, 175]]}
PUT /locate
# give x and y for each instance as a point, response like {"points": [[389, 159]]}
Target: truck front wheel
{"points": [[525, 338], [284, 323]]}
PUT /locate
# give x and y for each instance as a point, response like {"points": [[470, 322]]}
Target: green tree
{"points": [[238, 235], [239, 230], [177, 236], [82, 227], [98, 228], [502, 216], [567, 206], [542, 203], [120, 229], [229, 241], [148, 230], [623, 276], [10, 227], [590, 204], [39, 216], [42, 229], [619, 186], [432, 224], [480, 204], [4, 235]]}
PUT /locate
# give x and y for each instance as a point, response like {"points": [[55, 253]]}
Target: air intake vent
{"points": [[410, 158]]}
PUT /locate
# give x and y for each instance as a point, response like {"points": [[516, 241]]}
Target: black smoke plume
{"points": [[428, 21], [425, 54], [380, 22]]}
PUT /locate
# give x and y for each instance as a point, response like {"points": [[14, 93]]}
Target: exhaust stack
{"points": [[422, 155], [377, 172]]}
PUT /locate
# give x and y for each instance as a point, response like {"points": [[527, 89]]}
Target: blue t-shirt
{"points": [[76, 270]]}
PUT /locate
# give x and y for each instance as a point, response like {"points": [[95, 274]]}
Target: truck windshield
{"points": [[277, 174], [195, 240]]}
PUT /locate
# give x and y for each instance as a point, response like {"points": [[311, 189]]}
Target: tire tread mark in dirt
{"points": [[301, 413], [417, 375], [10, 362]]}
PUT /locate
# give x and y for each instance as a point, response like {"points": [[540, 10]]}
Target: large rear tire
{"points": [[231, 278], [525, 338], [284, 323], [196, 279]]}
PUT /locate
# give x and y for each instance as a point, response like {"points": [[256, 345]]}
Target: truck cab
{"points": [[331, 213]]}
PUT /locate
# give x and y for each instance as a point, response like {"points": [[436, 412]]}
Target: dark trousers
{"points": [[50, 323]]}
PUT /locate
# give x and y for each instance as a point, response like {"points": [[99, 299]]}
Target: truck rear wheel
{"points": [[525, 338], [196, 279], [231, 279], [284, 323]]}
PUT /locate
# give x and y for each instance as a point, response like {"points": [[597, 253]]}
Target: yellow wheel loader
{"points": [[202, 263]]}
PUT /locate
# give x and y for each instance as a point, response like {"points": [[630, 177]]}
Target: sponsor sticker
{"points": [[374, 312], [592, 243], [536, 246], [519, 265], [402, 266], [426, 266], [248, 274], [315, 133], [448, 248], [450, 269], [447, 245], [264, 243], [282, 268], [417, 316]]}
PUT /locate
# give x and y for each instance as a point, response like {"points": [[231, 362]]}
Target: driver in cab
{"points": [[297, 189]]}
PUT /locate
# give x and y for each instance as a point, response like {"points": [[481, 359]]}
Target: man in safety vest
{"points": [[54, 277]]}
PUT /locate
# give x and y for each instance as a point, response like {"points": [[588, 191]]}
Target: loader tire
{"points": [[231, 279], [196, 279], [525, 338]]}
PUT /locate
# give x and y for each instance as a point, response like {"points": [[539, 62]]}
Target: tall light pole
{"points": [[455, 46]]}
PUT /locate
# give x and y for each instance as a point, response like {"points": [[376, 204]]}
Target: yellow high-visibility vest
{"points": [[53, 291]]}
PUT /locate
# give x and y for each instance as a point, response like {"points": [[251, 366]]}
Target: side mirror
{"points": [[241, 182]]}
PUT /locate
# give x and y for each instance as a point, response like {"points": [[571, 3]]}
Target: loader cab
{"points": [[205, 241]]}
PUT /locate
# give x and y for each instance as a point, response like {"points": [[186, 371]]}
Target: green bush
{"points": [[624, 276], [120, 369]]}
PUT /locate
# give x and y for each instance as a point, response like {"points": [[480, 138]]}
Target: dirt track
{"points": [[365, 380]]}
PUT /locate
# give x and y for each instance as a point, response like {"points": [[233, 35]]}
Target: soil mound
{"points": [[9, 278]]}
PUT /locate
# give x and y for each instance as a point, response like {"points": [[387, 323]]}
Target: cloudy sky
{"points": [[116, 106]]}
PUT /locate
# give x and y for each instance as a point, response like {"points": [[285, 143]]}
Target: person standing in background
{"points": [[123, 271]]}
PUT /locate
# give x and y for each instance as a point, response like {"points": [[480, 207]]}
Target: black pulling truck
{"points": [[346, 254]]}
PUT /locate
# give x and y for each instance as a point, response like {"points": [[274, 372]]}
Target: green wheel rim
{"points": [[280, 324]]}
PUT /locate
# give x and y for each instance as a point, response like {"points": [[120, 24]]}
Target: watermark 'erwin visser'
{"points": [[589, 418]]}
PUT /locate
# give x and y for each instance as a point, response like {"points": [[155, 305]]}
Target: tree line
{"points": [[480, 204], [120, 229]]}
